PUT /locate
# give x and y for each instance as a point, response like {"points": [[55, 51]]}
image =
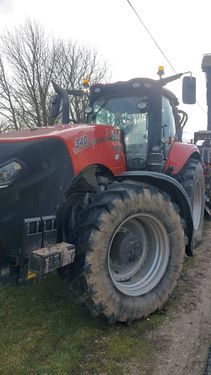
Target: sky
{"points": [[180, 28]]}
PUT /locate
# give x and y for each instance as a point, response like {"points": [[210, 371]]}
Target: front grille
{"points": [[36, 192]]}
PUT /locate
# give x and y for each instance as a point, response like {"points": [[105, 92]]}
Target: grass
{"points": [[43, 332]]}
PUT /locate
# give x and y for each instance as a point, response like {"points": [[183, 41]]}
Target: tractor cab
{"points": [[147, 114], [144, 110], [132, 111]]}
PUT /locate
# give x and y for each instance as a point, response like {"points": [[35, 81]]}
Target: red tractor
{"points": [[113, 204]]}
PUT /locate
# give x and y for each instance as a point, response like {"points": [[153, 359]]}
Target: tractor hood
{"points": [[84, 144], [60, 131]]}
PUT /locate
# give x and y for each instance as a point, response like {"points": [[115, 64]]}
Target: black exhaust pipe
{"points": [[65, 102], [206, 67]]}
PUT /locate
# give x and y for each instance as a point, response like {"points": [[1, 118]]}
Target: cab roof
{"points": [[130, 87]]}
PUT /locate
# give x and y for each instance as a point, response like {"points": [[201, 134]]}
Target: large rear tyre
{"points": [[130, 251], [192, 179]]}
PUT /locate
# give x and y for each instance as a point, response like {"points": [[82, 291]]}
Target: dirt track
{"points": [[182, 341]]}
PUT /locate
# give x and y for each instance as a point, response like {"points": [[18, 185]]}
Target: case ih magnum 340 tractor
{"points": [[112, 204]]}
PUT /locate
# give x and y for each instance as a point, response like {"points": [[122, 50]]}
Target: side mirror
{"points": [[189, 90]]}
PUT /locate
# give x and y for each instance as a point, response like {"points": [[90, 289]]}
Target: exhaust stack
{"points": [[206, 67]]}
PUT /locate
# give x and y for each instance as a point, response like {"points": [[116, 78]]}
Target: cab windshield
{"points": [[128, 113]]}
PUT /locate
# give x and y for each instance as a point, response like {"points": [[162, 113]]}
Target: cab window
{"points": [[168, 120]]}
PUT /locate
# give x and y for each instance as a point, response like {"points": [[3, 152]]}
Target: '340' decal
{"points": [[80, 143]]}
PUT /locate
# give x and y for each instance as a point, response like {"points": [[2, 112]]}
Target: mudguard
{"points": [[178, 156]]}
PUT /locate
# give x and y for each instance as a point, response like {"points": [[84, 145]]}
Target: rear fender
{"points": [[174, 189], [178, 155]]}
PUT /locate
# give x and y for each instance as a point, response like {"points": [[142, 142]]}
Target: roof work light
{"points": [[160, 71]]}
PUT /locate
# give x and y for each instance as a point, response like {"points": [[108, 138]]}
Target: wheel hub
{"points": [[138, 254], [128, 248]]}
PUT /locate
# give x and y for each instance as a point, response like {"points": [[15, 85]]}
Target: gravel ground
{"points": [[183, 340]]}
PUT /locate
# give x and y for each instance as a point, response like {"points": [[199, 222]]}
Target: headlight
{"points": [[9, 171]]}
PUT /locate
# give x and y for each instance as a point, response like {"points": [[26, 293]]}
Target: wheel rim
{"points": [[138, 254], [197, 205]]}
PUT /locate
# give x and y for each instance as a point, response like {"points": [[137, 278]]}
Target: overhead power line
{"points": [[152, 37], [157, 45]]}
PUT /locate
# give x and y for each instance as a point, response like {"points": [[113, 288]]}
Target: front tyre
{"points": [[130, 251]]}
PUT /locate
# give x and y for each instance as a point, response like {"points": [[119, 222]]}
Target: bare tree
{"points": [[32, 61], [74, 64], [8, 113], [35, 60]]}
